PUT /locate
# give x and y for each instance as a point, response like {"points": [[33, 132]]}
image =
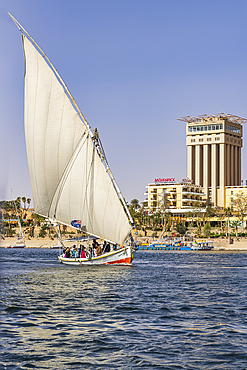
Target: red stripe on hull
{"points": [[124, 260]]}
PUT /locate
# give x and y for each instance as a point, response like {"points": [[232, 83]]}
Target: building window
{"points": [[233, 129], [206, 128]]}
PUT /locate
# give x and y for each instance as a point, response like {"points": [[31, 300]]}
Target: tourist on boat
{"points": [[77, 253], [107, 248], [104, 247], [73, 251], [98, 250], [83, 253], [67, 253], [80, 249], [95, 246]]}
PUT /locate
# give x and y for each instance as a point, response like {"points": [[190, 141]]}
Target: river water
{"points": [[169, 310]]}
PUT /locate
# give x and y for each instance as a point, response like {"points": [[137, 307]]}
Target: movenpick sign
{"points": [[172, 180], [166, 179]]}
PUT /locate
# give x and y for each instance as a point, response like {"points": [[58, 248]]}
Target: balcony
{"points": [[192, 200], [193, 192]]}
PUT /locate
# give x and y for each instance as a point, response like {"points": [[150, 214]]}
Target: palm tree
{"points": [[18, 202], [221, 216], [228, 214], [135, 204], [236, 225], [28, 202], [24, 201]]}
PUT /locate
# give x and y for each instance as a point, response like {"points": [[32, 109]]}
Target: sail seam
{"points": [[65, 174]]}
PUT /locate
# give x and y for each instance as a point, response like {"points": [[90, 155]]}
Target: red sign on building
{"points": [[166, 179]]}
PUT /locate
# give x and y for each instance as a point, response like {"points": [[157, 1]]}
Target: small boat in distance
{"points": [[71, 180], [19, 243], [202, 246]]}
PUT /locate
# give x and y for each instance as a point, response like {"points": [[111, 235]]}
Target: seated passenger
{"points": [[83, 253], [95, 244], [77, 253], [104, 247], [67, 253], [107, 248], [73, 251], [98, 250]]}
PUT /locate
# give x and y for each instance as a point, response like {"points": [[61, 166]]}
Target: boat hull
{"points": [[17, 246], [163, 247], [123, 256], [201, 246]]}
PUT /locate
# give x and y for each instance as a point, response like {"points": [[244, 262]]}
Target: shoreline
{"points": [[219, 245]]}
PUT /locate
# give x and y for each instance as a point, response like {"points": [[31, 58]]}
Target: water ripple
{"points": [[168, 311]]}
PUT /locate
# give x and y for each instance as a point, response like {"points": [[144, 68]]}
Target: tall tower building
{"points": [[214, 153]]}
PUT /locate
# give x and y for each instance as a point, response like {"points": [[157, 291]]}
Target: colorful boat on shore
{"points": [[177, 246], [72, 183]]}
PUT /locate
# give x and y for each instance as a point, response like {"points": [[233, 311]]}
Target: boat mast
{"points": [[97, 143]]}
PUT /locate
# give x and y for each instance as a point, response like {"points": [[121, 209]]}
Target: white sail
{"points": [[69, 180]]}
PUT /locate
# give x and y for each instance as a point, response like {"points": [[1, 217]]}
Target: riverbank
{"points": [[238, 245], [30, 243]]}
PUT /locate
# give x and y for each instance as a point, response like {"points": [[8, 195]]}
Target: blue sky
{"points": [[133, 67]]}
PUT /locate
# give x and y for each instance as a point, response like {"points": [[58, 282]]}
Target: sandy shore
{"points": [[240, 245], [32, 243], [236, 246]]}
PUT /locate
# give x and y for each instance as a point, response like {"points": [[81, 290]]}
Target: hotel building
{"points": [[178, 196], [214, 145]]}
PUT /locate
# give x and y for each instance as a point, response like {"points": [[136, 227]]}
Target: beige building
{"points": [[174, 194], [214, 153], [231, 192]]}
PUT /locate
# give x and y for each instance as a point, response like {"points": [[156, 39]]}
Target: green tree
{"points": [[181, 229], [221, 217], [134, 203], [236, 225], [18, 203], [228, 213], [240, 206], [197, 214], [24, 202], [37, 219], [207, 230], [28, 202]]}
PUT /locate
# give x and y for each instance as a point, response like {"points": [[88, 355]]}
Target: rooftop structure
{"points": [[219, 116]]}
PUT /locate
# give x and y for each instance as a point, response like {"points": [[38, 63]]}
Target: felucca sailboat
{"points": [[70, 176]]}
